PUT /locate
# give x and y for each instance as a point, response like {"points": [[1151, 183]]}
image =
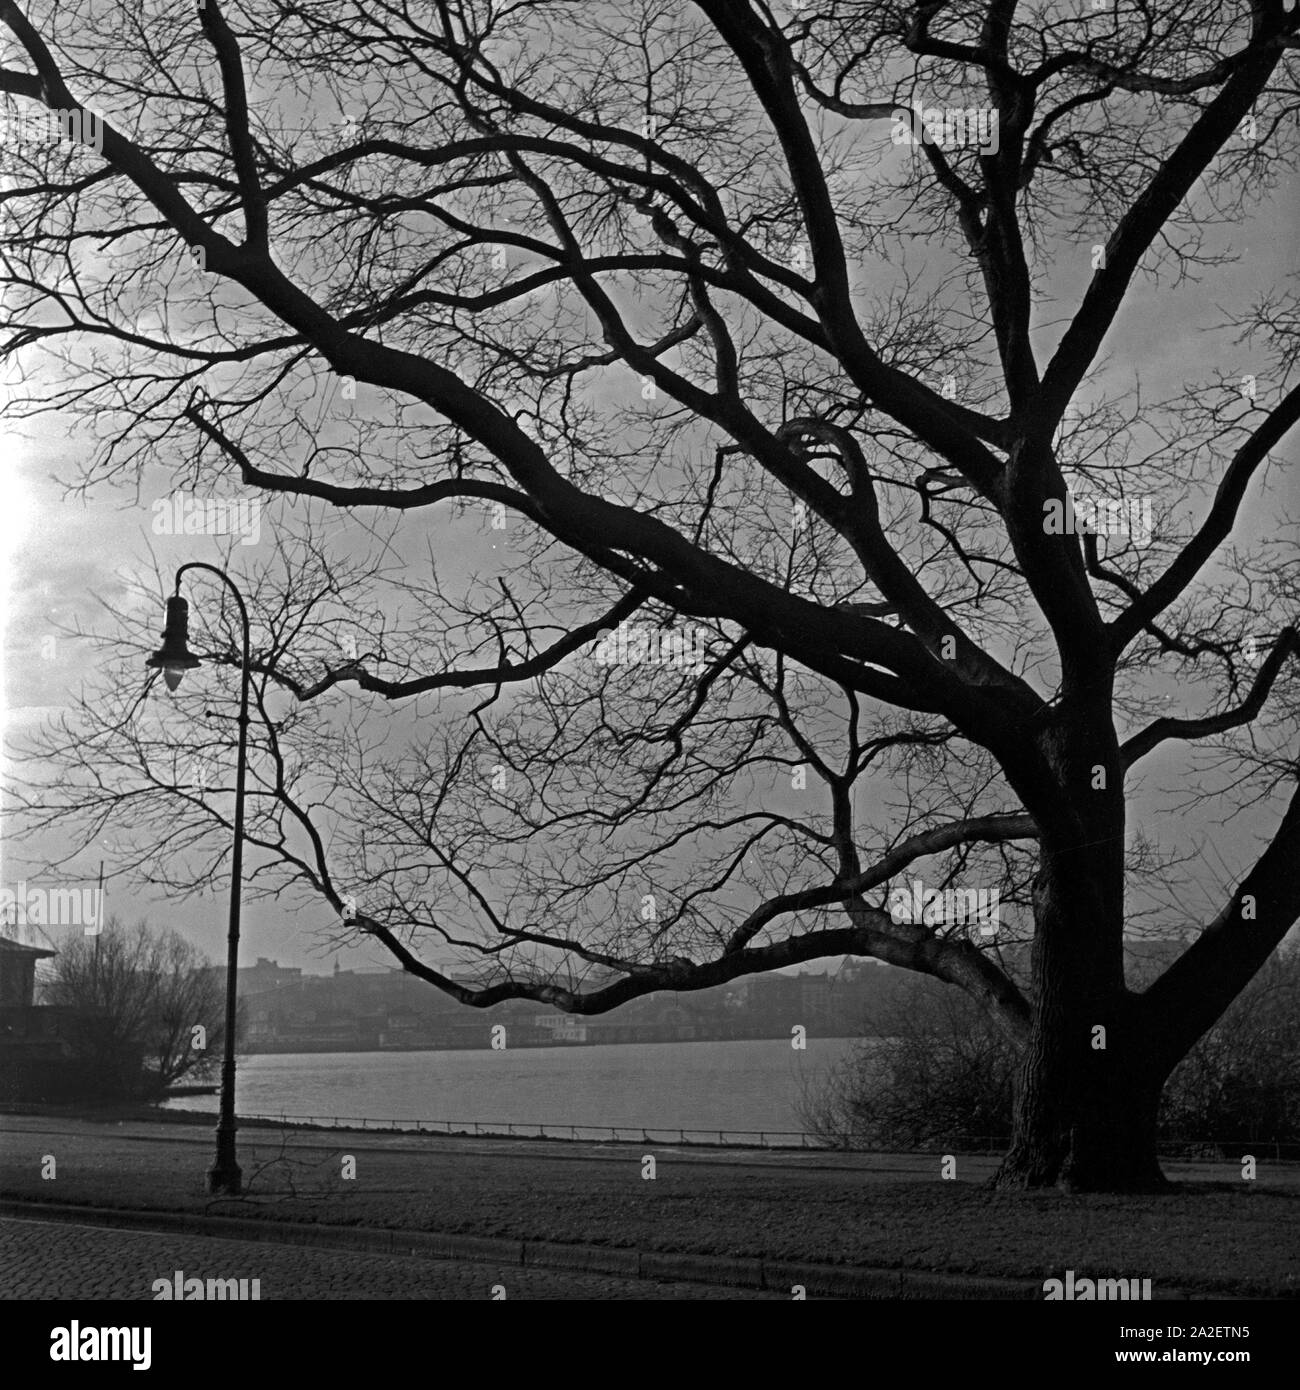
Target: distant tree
{"points": [[152, 1008], [1242, 1079], [933, 1069]]}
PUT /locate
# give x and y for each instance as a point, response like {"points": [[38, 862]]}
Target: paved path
{"points": [[43, 1260]]}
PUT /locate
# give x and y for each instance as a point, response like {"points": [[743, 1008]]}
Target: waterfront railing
{"points": [[1187, 1149]]}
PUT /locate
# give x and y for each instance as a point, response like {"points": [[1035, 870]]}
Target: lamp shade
{"points": [[174, 657]]}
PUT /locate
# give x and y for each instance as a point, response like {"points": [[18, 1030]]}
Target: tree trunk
{"points": [[1090, 1083], [1097, 1136]]}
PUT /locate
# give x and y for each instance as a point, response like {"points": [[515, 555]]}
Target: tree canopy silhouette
{"points": [[698, 500]]}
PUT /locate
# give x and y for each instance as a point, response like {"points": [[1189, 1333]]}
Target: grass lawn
{"points": [[1213, 1235]]}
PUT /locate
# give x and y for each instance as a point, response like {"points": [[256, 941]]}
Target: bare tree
{"points": [[151, 1008], [934, 1069], [776, 332]]}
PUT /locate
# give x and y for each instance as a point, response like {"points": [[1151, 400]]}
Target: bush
{"points": [[935, 1070], [939, 1069], [1242, 1080]]}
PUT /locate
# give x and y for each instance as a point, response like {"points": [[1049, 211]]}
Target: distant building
{"points": [[36, 1052], [265, 975], [18, 973], [562, 1027]]}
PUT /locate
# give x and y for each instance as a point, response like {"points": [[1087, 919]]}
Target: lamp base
{"points": [[225, 1179]]}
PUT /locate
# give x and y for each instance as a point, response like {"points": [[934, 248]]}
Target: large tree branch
{"points": [[237, 121], [362, 495], [506, 673], [873, 934], [1204, 980], [1216, 527], [121, 153], [1142, 223], [764, 55], [891, 576], [975, 829], [1158, 731], [989, 829]]}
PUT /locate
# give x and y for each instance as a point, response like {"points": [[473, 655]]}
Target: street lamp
{"points": [[174, 658]]}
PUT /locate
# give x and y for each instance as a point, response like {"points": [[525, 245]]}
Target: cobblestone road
{"points": [[46, 1259]]}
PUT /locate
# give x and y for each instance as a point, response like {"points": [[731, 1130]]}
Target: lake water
{"points": [[754, 1085]]}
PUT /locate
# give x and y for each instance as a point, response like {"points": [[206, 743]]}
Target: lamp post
{"points": [[174, 658]]}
